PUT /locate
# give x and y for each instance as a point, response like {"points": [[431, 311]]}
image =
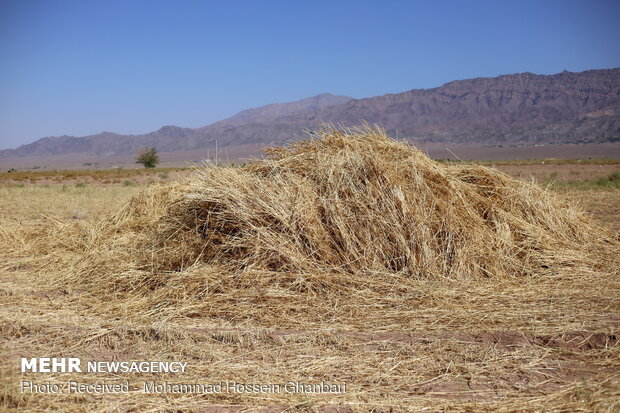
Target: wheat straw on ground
{"points": [[318, 250]]}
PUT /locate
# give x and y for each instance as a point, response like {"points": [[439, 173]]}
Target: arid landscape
{"points": [[526, 334], [326, 206], [522, 115]]}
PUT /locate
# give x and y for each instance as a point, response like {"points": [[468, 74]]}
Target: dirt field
{"points": [[533, 344], [240, 153]]}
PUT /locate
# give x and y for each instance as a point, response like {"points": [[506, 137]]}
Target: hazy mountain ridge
{"points": [[250, 126], [521, 108], [509, 109], [274, 111]]}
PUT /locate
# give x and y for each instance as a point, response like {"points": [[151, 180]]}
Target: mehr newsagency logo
{"points": [[76, 365]]}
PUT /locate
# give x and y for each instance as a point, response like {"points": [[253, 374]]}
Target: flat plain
{"points": [[533, 344]]}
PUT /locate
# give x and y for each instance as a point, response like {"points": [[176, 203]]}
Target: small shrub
{"points": [[148, 157], [601, 182]]}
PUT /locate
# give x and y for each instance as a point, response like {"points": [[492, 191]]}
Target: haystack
{"points": [[341, 210]]}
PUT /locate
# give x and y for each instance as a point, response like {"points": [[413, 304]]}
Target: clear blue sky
{"points": [[81, 67]]}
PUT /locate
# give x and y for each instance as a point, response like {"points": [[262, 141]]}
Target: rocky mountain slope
{"points": [[521, 108]]}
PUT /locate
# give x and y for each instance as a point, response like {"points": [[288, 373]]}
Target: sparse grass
{"points": [[529, 162], [20, 202], [552, 161], [82, 174], [611, 181]]}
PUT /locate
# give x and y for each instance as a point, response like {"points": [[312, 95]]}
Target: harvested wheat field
{"points": [[350, 260]]}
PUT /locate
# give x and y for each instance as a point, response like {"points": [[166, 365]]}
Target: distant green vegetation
{"points": [[148, 157], [520, 162], [610, 182]]}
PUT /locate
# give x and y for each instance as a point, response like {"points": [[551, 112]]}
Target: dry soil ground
{"points": [[467, 152], [515, 345]]}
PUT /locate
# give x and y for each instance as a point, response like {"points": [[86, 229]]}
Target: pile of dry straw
{"points": [[343, 209]]}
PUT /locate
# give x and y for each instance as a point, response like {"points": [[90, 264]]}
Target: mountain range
{"points": [[518, 109]]}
